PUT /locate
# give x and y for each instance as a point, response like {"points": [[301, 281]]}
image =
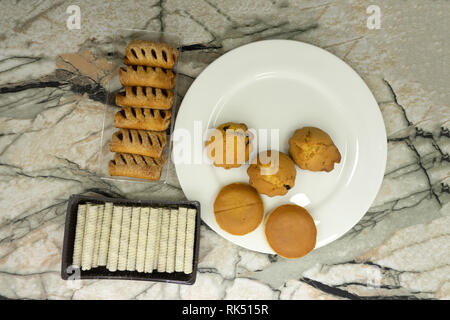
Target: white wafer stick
{"points": [[134, 233], [89, 237], [98, 232], [104, 237], [114, 239], [151, 240], [171, 242], [142, 239], [124, 239], [164, 237], [181, 239], [190, 233], [158, 237], [79, 235]]}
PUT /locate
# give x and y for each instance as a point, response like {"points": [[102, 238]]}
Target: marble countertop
{"points": [[51, 111]]}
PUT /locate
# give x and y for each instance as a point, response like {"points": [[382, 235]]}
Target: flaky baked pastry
{"points": [[147, 76], [136, 166], [151, 54], [145, 97], [143, 142], [142, 119]]}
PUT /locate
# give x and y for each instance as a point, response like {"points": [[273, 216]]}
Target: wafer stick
{"points": [[79, 235]]}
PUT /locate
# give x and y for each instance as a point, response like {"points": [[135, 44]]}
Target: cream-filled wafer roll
{"points": [[104, 237], [171, 242], [142, 239], [114, 239], [190, 235], [158, 237], [134, 234], [124, 239], [181, 239], [98, 232], [164, 237], [151, 240], [79, 235], [89, 237]]}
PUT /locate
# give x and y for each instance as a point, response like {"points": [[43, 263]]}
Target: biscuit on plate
{"points": [[290, 231], [238, 208], [312, 149], [230, 145], [273, 174]]}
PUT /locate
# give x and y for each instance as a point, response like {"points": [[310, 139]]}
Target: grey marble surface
{"points": [[51, 110]]}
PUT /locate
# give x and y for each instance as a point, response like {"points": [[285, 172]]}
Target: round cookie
{"points": [[273, 174], [230, 145], [238, 208], [290, 231], [312, 149]]}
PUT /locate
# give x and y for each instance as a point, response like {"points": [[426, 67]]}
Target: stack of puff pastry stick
{"points": [[145, 110]]}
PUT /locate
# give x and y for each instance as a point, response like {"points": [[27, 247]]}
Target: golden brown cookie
{"points": [[290, 231], [273, 173], [142, 119], [312, 149], [136, 166], [238, 208], [145, 97], [151, 54], [230, 145], [146, 143], [147, 77]]}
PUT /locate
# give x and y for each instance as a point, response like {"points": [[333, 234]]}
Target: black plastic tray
{"points": [[67, 273]]}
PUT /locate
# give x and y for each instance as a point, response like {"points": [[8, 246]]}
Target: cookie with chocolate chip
{"points": [[273, 173], [312, 149], [229, 145]]}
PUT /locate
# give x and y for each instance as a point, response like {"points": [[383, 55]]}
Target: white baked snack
{"points": [[104, 237], [114, 240], [151, 239], [134, 233], [124, 239], [190, 237], [79, 235], [89, 237], [171, 241], [98, 232], [158, 237], [164, 237], [181, 239], [142, 239]]}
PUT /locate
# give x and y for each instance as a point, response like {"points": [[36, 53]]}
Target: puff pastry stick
{"points": [[152, 54], [136, 166], [142, 119], [145, 97], [147, 76], [146, 143]]}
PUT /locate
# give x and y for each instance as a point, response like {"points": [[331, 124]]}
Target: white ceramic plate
{"points": [[287, 85]]}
